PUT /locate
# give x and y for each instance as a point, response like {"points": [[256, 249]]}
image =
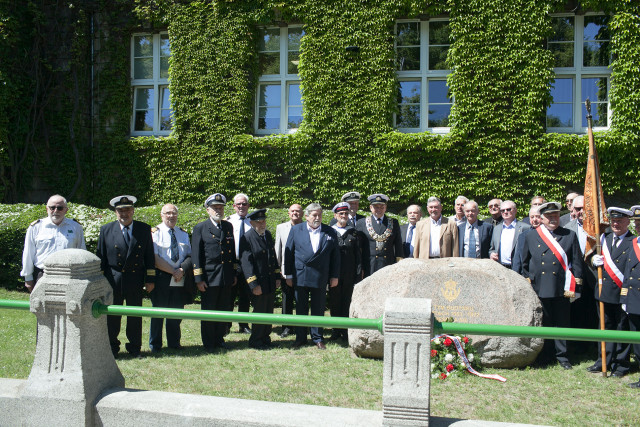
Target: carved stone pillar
{"points": [[73, 363], [407, 364]]}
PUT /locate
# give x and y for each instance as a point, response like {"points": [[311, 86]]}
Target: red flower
{"points": [[465, 340], [450, 367], [448, 342], [443, 376], [433, 353]]}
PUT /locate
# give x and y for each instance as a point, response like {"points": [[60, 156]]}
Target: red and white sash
{"points": [[569, 279], [612, 270], [636, 248]]}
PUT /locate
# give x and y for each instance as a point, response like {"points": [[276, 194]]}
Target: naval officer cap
{"points": [[123, 202], [215, 199], [376, 199], [635, 211], [257, 215], [351, 196], [341, 207], [615, 212], [549, 207]]}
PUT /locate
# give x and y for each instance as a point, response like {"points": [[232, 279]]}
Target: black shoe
{"points": [[176, 347], [156, 349], [634, 385], [298, 344], [566, 365], [618, 374], [285, 333], [594, 369], [335, 336], [224, 346]]}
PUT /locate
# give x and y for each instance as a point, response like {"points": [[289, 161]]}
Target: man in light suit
{"points": [[436, 236], [311, 259], [408, 231], [474, 235], [282, 233], [506, 235], [125, 249]]}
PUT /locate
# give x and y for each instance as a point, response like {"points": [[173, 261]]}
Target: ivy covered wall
{"points": [[497, 146]]}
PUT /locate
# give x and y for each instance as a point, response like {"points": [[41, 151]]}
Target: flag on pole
{"points": [[594, 215]]}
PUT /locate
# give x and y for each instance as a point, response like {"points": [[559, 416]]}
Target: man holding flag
{"points": [[616, 247], [552, 264]]}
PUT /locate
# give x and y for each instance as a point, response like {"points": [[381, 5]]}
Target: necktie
{"points": [[174, 246], [472, 243], [241, 227], [127, 238], [616, 241], [410, 238]]}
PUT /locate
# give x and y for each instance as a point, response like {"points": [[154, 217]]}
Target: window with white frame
{"points": [[580, 45], [279, 100], [424, 102], [152, 113]]}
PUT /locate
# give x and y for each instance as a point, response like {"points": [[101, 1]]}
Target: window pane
{"points": [[438, 57], [294, 97], [166, 121], [294, 61], [562, 90], [562, 53], [269, 96], [409, 92], [165, 48], [295, 36], [595, 89], [562, 29], [598, 115], [294, 118], [439, 32], [596, 50], [165, 98], [408, 58], [268, 118], [408, 117], [596, 54], [143, 68], [439, 115], [270, 40], [408, 34], [144, 98], [269, 63], [595, 28], [143, 46], [144, 121], [438, 91], [560, 115]]}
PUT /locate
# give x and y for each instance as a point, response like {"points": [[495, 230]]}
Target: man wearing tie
{"points": [[174, 276], [408, 231], [125, 249], [436, 236], [506, 235], [475, 235], [241, 225], [353, 199], [312, 260]]}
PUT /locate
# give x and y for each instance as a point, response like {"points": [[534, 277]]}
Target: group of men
{"points": [[236, 257]]}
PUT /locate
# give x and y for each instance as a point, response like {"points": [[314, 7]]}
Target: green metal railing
{"points": [[596, 335]]}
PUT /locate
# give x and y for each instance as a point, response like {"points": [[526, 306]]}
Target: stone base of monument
{"points": [[468, 290]]}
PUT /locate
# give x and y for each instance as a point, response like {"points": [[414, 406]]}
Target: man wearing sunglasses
{"points": [[506, 235], [46, 236]]}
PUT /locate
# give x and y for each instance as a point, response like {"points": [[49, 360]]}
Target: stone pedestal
{"points": [[73, 363], [407, 364]]}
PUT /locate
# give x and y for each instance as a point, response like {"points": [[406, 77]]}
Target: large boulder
{"points": [[468, 290]]}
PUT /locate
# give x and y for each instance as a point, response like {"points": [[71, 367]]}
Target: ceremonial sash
{"points": [[465, 360], [569, 279], [612, 270], [636, 248]]}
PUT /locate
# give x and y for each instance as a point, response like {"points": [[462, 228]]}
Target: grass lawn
{"points": [[550, 396]]}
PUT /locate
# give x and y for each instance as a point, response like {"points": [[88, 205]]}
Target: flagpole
{"points": [[593, 158]]}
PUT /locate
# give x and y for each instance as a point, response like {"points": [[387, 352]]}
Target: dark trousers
{"points": [[164, 295], [617, 353], [260, 333], [584, 316], [556, 312], [133, 296], [634, 325], [339, 302], [288, 296], [214, 298], [242, 293], [318, 305]]}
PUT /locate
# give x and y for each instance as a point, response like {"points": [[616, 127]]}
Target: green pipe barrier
{"points": [[595, 335]]}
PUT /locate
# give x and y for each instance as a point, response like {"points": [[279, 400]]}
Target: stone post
{"points": [[407, 364], [73, 363]]}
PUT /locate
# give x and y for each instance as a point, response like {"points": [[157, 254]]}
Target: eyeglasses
{"points": [[56, 208], [506, 210], [242, 204], [494, 206], [578, 208]]}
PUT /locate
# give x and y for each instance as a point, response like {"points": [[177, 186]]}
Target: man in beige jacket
{"points": [[436, 236]]}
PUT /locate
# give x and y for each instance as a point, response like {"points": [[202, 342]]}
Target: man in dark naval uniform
{"points": [[550, 254], [352, 199], [261, 270], [214, 268], [382, 241], [125, 249], [616, 246], [630, 292], [350, 267]]}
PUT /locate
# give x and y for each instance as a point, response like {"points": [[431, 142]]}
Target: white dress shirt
{"points": [[434, 236], [506, 242], [473, 227], [314, 235], [236, 221]]}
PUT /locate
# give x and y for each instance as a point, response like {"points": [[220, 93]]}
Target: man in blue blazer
{"points": [[480, 240], [311, 260], [506, 235]]}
